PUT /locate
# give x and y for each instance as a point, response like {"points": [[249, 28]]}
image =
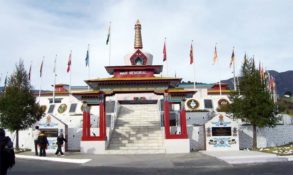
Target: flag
{"points": [[191, 54], [215, 58], [261, 72], [108, 36], [232, 58], [41, 68], [54, 69], [29, 73], [5, 82], [87, 59], [164, 52], [69, 63]]}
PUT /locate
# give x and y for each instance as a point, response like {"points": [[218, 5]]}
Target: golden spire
{"points": [[137, 38]]}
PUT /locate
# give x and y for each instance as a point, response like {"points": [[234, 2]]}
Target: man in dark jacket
{"points": [[43, 143], [60, 141], [7, 157]]}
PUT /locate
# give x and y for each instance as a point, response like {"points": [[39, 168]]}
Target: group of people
{"points": [[7, 156], [41, 141]]}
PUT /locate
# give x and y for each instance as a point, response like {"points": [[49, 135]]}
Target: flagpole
{"points": [[30, 74], [41, 76], [89, 70], [54, 79], [194, 87], [234, 78], [167, 62], [70, 71], [220, 84], [215, 58], [110, 43]]}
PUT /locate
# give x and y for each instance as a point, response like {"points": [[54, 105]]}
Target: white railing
{"points": [[114, 116]]}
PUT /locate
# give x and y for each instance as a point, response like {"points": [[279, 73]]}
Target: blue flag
{"points": [[87, 59]]}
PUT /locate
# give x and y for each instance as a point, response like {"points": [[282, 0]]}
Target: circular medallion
{"points": [[85, 108], [192, 104], [62, 108], [223, 102]]}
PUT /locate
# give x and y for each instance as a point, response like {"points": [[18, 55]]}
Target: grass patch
{"points": [[283, 150]]}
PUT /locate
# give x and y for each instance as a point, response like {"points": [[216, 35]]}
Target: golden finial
{"points": [[137, 38]]}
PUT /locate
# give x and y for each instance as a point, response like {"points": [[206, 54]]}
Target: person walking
{"points": [[43, 143], [7, 156], [36, 134], [60, 141]]}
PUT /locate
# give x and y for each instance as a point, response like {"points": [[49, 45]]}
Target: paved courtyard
{"points": [[193, 163]]}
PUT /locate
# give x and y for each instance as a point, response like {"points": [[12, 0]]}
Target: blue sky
{"points": [[31, 29]]}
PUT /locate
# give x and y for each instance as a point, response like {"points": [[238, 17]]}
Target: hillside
{"points": [[284, 81]]}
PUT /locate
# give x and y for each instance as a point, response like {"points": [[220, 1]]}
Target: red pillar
{"points": [[88, 124], [84, 115], [183, 123], [167, 119], [102, 121]]}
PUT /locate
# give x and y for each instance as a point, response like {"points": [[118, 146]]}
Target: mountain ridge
{"points": [[284, 81]]}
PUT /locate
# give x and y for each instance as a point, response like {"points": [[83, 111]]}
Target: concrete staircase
{"points": [[137, 130]]}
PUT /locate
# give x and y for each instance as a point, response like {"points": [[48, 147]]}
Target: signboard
{"points": [[52, 127], [221, 134]]}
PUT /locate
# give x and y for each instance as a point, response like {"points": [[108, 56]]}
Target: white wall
{"points": [[266, 137], [196, 137]]}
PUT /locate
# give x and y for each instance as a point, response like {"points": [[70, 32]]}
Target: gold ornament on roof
{"points": [[137, 38]]}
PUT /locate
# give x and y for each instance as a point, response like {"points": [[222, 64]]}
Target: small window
{"points": [[72, 107], [57, 100], [51, 108], [208, 104]]}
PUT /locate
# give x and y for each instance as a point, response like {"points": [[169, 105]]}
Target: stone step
{"points": [[137, 138], [139, 130], [137, 141], [136, 145], [135, 151], [136, 148], [125, 135]]}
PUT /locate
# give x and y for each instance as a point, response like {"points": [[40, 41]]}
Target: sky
{"points": [[33, 29]]}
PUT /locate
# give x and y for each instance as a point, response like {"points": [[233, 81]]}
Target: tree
{"points": [[18, 107], [255, 103]]}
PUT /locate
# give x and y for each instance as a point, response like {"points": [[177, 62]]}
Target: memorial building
{"points": [[135, 110]]}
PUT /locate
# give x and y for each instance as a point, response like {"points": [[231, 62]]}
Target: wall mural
{"points": [[221, 133]]}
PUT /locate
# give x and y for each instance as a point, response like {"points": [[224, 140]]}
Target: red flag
{"points": [[164, 52], [191, 54], [29, 73], [69, 63], [41, 68]]}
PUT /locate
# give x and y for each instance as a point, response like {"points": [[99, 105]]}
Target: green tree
{"points": [[18, 107], [254, 103]]}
